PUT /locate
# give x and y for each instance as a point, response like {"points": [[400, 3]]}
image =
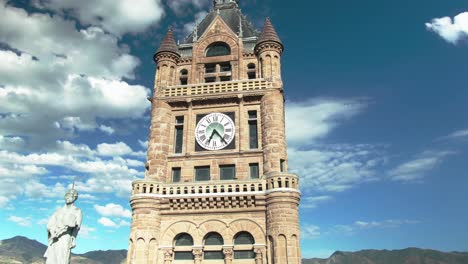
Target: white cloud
{"points": [[116, 149], [313, 201], [182, 7], [118, 17], [458, 134], [143, 144], [107, 129], [113, 210], [21, 221], [64, 80], [85, 231], [109, 223], [310, 232], [316, 118], [11, 143], [336, 168], [416, 168], [451, 30], [19, 173], [42, 221], [362, 225]]}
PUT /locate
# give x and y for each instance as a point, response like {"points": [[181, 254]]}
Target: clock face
{"points": [[215, 131]]}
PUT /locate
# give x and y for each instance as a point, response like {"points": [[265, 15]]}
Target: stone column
{"points": [[228, 253], [273, 134], [158, 147], [198, 254], [168, 252], [258, 255]]}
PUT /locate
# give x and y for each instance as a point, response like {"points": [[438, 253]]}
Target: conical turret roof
{"points": [[268, 33], [168, 44]]}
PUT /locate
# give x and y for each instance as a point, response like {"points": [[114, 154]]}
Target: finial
{"points": [[217, 11], [241, 32], [195, 32]]}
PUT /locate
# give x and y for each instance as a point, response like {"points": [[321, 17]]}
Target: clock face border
{"points": [[230, 146]]}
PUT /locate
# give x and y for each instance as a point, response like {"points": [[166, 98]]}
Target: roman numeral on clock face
{"points": [[202, 138]]}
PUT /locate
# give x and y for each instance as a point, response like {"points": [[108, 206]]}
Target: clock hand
{"points": [[211, 137], [222, 138]]}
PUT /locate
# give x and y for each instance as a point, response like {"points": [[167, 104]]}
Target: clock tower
{"points": [[217, 187]]}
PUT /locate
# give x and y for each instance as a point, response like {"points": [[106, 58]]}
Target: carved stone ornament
{"points": [[228, 252], [168, 254]]}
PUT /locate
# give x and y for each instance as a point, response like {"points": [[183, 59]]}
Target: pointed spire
{"points": [[168, 44], [268, 33]]}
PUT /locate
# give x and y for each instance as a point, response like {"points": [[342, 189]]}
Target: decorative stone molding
{"points": [[168, 252], [198, 254]]}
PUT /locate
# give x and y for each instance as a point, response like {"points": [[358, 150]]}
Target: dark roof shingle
{"points": [[268, 33], [168, 44]]}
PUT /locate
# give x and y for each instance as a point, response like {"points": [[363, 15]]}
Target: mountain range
{"points": [[22, 250]]}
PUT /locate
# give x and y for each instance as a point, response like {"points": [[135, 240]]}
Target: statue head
{"points": [[71, 196]]}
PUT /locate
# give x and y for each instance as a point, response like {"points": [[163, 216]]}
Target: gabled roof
{"points": [[232, 16], [168, 44], [268, 33]]}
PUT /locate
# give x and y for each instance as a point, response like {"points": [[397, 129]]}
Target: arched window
{"points": [[213, 243], [214, 239], [183, 76], [218, 49], [243, 246], [251, 72], [183, 243]]}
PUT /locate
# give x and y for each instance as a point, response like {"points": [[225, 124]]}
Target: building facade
{"points": [[217, 187]]}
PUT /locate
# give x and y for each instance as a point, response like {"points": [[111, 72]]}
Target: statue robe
{"points": [[62, 229]]}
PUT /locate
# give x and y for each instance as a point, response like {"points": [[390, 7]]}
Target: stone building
{"points": [[217, 187]]}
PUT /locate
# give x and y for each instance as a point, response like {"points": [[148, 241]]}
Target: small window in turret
{"points": [[218, 49], [251, 71], [183, 77]]}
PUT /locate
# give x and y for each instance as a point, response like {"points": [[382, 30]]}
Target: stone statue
{"points": [[62, 229]]}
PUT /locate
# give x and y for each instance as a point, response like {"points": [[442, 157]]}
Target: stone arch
{"points": [[131, 251], [250, 226], [140, 251], [226, 38], [152, 251], [282, 249], [218, 226], [180, 227]]}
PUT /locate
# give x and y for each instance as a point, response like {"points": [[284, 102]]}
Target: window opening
{"points": [[183, 77], [179, 134], [176, 174], [183, 239], [218, 49], [202, 173], [254, 173], [253, 130], [227, 172]]}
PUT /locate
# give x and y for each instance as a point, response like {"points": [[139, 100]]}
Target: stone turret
{"points": [[166, 57], [268, 49]]}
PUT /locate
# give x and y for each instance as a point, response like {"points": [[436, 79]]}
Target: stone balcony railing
{"points": [[215, 87], [273, 181], [197, 188]]}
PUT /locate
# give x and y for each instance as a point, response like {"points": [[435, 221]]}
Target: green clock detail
{"points": [[215, 131]]}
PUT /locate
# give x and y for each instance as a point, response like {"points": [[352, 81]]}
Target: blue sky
{"points": [[379, 89]]}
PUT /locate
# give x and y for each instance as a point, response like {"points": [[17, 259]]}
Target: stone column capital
{"points": [[228, 252]]}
